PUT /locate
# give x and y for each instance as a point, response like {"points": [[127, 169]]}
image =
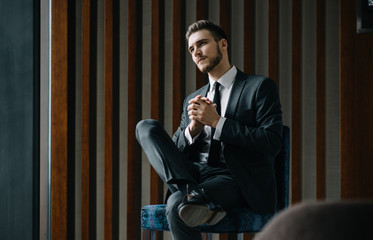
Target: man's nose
{"points": [[197, 52]]}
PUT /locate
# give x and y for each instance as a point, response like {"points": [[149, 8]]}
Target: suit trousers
{"points": [[173, 166]]}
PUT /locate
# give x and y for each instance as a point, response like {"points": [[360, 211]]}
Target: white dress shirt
{"points": [[226, 82]]}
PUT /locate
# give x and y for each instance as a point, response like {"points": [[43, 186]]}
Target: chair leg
{"points": [[148, 235]]}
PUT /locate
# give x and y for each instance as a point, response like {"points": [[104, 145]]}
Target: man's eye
{"points": [[191, 50]]}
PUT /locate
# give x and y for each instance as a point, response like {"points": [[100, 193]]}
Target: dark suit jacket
{"points": [[251, 137]]}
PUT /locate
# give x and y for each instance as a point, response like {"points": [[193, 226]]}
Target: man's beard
{"points": [[214, 61]]}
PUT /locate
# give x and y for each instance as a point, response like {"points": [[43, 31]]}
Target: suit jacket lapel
{"points": [[235, 94], [205, 89]]}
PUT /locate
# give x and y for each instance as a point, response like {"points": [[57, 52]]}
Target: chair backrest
{"points": [[282, 169]]}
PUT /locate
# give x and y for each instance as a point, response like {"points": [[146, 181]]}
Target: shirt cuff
{"points": [[188, 136], [219, 128]]}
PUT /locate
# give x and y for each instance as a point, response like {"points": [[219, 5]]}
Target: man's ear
{"points": [[224, 43]]}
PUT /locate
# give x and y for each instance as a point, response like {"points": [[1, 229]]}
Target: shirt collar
{"points": [[226, 80]]}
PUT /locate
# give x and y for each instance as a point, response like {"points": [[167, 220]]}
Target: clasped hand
{"points": [[202, 111]]}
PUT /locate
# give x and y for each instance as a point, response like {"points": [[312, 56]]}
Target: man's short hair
{"points": [[216, 31]]}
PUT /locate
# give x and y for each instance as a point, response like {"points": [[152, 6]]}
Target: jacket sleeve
{"points": [[190, 150], [265, 135], [179, 137]]}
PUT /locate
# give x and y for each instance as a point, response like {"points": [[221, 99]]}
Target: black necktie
{"points": [[214, 153]]}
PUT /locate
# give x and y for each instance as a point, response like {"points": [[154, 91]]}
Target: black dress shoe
{"points": [[197, 209]]}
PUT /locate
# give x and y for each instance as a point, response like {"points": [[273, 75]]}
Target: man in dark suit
{"points": [[221, 156]]}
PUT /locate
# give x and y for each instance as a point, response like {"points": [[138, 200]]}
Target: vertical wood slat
{"points": [[63, 120], [59, 120], [225, 18], [201, 13], [349, 168], [157, 86], [249, 33], [320, 99], [134, 115], [273, 40], [157, 90], [71, 113], [296, 103], [88, 121], [111, 46], [178, 53]]}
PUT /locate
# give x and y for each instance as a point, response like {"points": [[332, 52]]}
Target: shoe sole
{"points": [[195, 215], [216, 217]]}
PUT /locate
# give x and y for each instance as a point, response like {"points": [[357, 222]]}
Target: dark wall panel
{"points": [[320, 100], [157, 86], [19, 116], [296, 150], [356, 86], [134, 178]]}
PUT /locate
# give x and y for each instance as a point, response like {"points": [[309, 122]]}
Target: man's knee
{"points": [[144, 127], [173, 203]]}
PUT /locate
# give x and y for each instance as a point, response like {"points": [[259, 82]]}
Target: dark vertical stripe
{"points": [[36, 122], [178, 60], [63, 120], [71, 103], [134, 115], [249, 34], [248, 236], [93, 122], [356, 104], [157, 63], [225, 18], [157, 89], [201, 13], [296, 102], [349, 166], [85, 118], [202, 9], [273, 40], [111, 228], [88, 118], [320, 99], [108, 222]]}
